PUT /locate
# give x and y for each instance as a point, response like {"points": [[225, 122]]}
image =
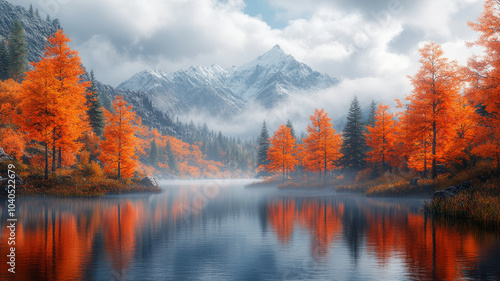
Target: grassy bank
{"points": [[86, 180], [480, 204]]}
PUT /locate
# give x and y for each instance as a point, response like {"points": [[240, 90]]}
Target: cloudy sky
{"points": [[370, 45]]}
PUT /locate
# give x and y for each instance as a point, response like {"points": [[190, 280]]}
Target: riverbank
{"points": [[480, 202], [88, 180], [70, 186]]}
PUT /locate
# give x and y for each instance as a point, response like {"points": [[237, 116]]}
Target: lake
{"points": [[220, 230]]}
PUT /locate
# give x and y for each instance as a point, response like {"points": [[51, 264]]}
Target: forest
{"points": [[446, 133], [53, 124]]}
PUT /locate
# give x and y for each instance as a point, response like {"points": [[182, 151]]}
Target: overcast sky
{"points": [[370, 45]]}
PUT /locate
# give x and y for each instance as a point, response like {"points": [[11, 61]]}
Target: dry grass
{"points": [[481, 204]]}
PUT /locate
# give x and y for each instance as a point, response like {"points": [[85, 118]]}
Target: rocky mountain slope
{"points": [[267, 80], [37, 30]]}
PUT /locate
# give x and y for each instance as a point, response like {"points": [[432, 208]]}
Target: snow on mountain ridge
{"points": [[268, 80]]}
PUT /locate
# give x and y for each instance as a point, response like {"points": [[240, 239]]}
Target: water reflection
{"points": [[225, 232]]}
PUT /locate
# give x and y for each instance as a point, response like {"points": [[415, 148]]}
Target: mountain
{"points": [[272, 77], [197, 88], [36, 30], [268, 80]]}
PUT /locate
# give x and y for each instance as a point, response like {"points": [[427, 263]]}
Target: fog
{"points": [[335, 101]]}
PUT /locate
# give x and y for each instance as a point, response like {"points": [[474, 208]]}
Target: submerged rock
{"points": [[150, 181], [451, 191], [414, 182]]}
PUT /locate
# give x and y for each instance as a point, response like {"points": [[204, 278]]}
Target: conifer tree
{"points": [[17, 52], [118, 147], [31, 10], [290, 125], [353, 140], [95, 109], [4, 61], [281, 154], [263, 146], [371, 115], [37, 14], [381, 138], [154, 153], [172, 163], [434, 99], [47, 18], [322, 145]]}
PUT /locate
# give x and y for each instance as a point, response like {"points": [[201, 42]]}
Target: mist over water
{"points": [[220, 230]]}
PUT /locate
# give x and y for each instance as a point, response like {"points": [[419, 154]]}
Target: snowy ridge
{"points": [[267, 80]]}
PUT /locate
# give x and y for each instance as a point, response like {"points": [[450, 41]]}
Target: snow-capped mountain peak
{"points": [[268, 80]]}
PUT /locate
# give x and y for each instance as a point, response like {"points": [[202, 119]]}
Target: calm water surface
{"points": [[219, 230]]}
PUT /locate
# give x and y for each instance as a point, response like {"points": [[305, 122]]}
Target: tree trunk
{"points": [[119, 164], [59, 164], [54, 158], [434, 138], [46, 161], [425, 159], [283, 171]]}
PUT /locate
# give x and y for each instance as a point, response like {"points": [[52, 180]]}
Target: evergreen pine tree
{"points": [[95, 112], [4, 61], [17, 52], [154, 153], [31, 10], [371, 115], [292, 131], [263, 146], [172, 163], [47, 18], [37, 14], [353, 140]]}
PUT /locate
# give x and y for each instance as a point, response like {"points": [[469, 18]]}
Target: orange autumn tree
{"points": [[281, 153], [381, 138], [436, 89], [10, 101], [322, 145], [12, 140], [118, 147], [53, 95], [38, 109], [484, 78], [71, 91]]}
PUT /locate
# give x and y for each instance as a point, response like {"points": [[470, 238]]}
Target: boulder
{"points": [[3, 155], [442, 195], [451, 191], [150, 181], [414, 182]]}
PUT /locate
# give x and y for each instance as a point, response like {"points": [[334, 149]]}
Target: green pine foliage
{"points": [[292, 130], [4, 61], [171, 161], [263, 146], [17, 52], [154, 153], [371, 115], [353, 140], [95, 110]]}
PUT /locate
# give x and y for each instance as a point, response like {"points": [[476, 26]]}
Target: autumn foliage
{"points": [[381, 137], [322, 145], [118, 147], [281, 153]]}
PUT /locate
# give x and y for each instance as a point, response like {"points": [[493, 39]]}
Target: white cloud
{"points": [[355, 40]]}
